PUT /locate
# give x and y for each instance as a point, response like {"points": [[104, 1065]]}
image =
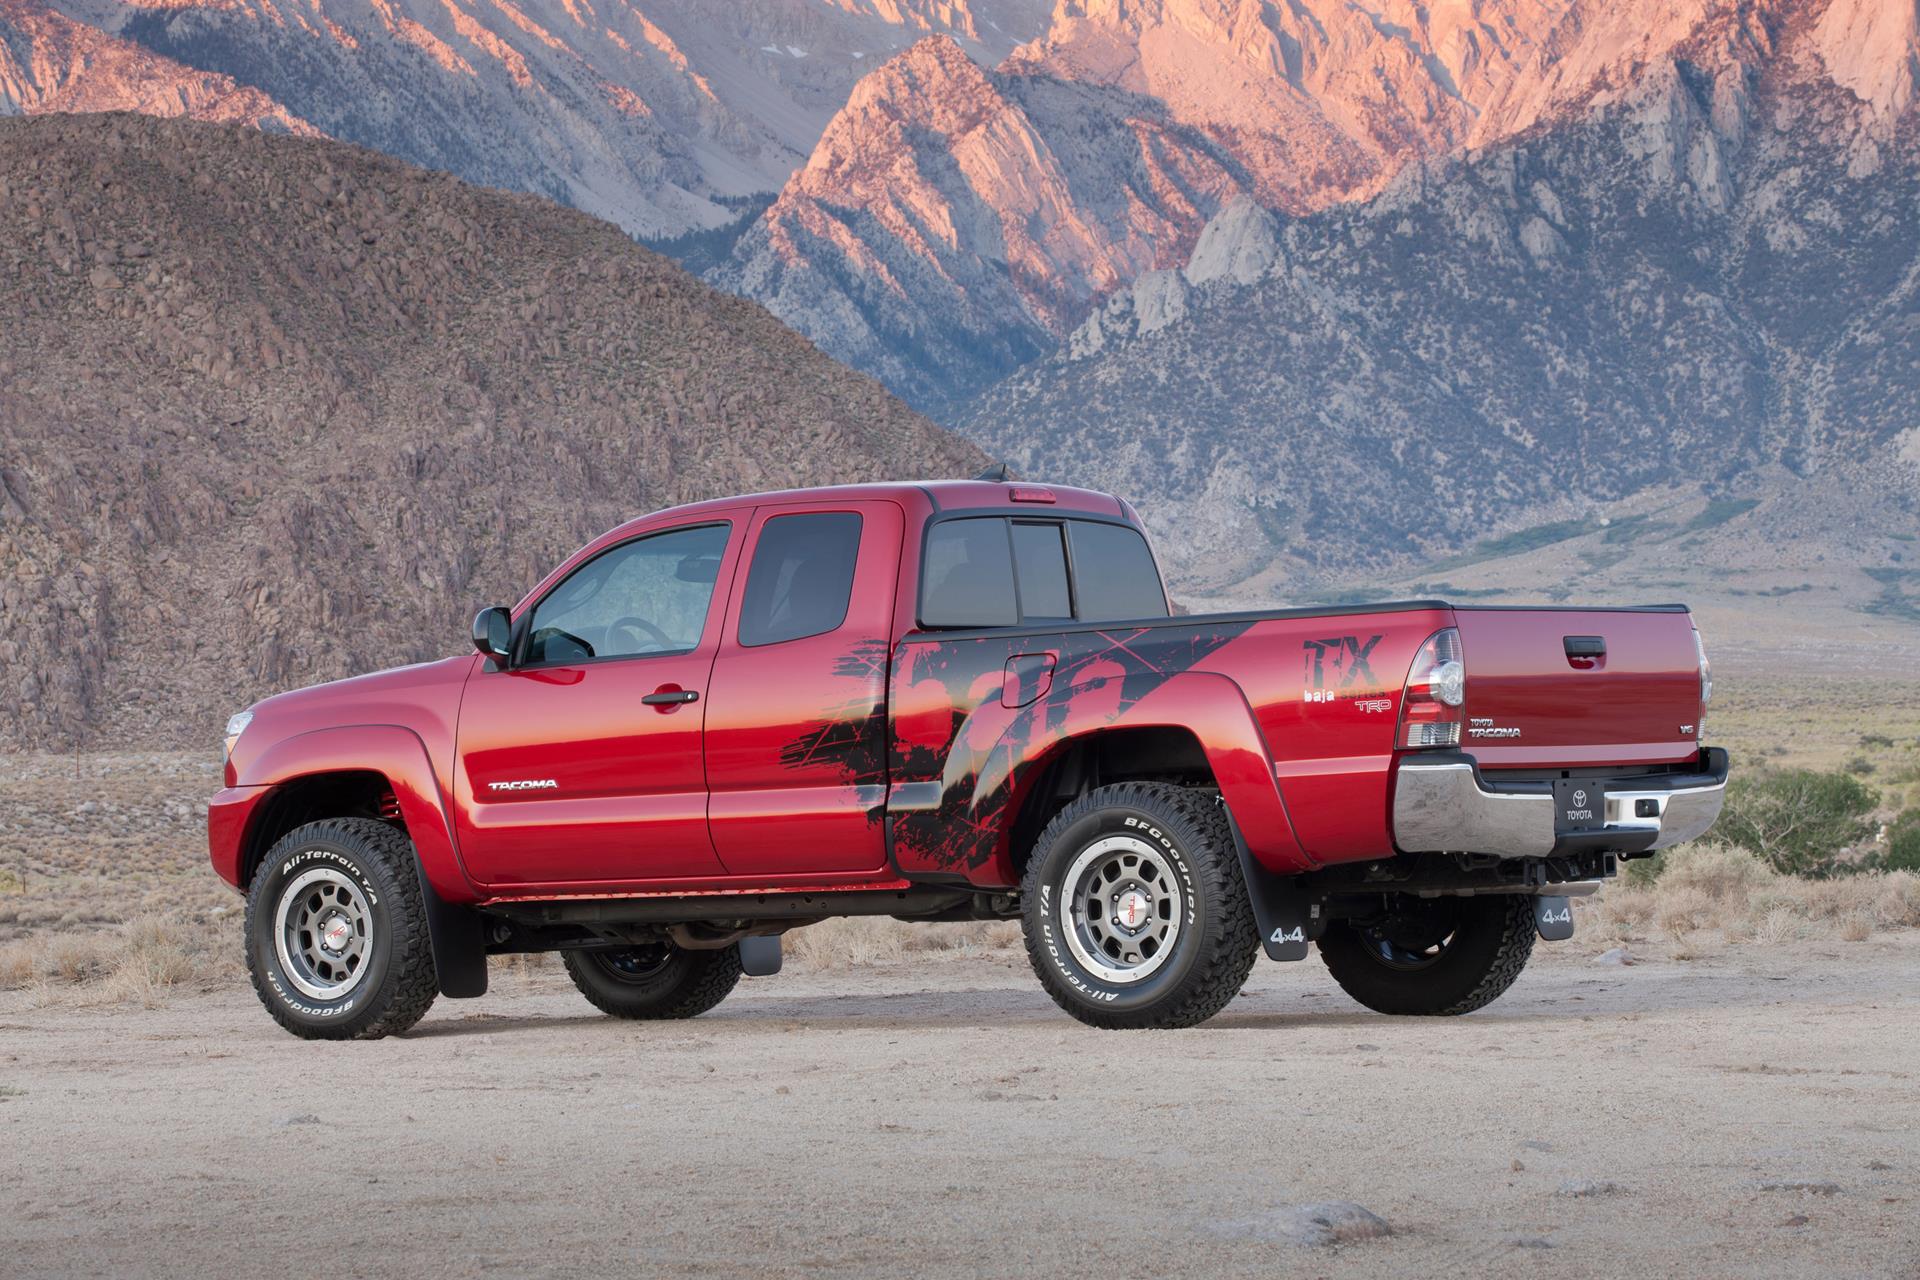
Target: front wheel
{"points": [[654, 979], [1431, 956], [337, 942], [1135, 911]]}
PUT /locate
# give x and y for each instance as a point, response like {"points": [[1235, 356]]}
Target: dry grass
{"points": [[870, 940], [140, 961], [1709, 894]]}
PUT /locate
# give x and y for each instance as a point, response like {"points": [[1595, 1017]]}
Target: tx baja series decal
{"points": [[950, 723], [1340, 658]]}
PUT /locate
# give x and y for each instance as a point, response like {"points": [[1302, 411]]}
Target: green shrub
{"points": [[1799, 820], [1903, 843], [1643, 873]]}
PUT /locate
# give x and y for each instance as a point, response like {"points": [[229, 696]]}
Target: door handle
{"points": [[670, 697], [1585, 653]]}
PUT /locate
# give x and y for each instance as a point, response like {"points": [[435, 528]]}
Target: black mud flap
{"points": [[459, 942], [1553, 917], [1283, 913], [760, 957]]}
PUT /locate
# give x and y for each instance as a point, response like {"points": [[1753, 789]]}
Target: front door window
{"points": [[648, 596]]}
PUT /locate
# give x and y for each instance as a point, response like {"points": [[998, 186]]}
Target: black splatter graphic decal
{"points": [[950, 724], [852, 738]]}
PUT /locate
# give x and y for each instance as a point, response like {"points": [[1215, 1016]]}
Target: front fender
{"points": [[397, 754]]}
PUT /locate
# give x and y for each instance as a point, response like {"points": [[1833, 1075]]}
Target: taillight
{"points": [[1706, 686], [1706, 668], [1436, 689]]}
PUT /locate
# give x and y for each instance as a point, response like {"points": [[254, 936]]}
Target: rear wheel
{"points": [[1432, 956], [1135, 911], [655, 979], [337, 942]]}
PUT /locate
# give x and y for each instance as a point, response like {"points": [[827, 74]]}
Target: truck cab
{"points": [[723, 721]]}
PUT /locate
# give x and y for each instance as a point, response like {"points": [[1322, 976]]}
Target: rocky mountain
{"points": [[1702, 294], [953, 221], [49, 62], [276, 409], [659, 115]]}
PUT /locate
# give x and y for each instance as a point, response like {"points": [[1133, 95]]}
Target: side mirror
{"points": [[493, 632]]}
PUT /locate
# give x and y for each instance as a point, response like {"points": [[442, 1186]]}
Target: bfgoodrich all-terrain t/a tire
{"points": [[337, 939], [656, 980], [1135, 911], [1433, 957]]}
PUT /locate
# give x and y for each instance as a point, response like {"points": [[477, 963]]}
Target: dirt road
{"points": [[1751, 1113]]}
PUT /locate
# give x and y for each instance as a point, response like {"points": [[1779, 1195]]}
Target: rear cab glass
{"points": [[1002, 571], [801, 578]]}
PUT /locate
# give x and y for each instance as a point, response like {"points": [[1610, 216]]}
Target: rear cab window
{"points": [[801, 578], [1003, 571]]}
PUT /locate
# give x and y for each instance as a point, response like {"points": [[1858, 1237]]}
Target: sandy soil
{"points": [[1756, 1112]]}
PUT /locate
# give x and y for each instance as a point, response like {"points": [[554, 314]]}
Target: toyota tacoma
{"points": [[952, 701]]}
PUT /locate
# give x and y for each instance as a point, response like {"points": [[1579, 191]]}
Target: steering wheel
{"points": [[644, 630]]}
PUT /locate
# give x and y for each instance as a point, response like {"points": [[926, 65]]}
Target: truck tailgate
{"points": [[1566, 688]]}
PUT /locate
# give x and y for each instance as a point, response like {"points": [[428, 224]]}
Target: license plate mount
{"points": [[1579, 804]]}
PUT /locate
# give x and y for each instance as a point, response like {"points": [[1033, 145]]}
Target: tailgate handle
{"points": [[1585, 653]]}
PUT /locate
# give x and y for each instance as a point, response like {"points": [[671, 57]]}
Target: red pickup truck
{"points": [[951, 701]]}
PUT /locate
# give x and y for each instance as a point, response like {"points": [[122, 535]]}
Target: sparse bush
{"points": [[1799, 820], [141, 960], [1683, 911], [1903, 843], [1860, 766], [1722, 873], [1643, 873], [1708, 886]]}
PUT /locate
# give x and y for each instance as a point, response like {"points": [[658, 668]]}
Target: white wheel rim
{"points": [[323, 934], [1122, 910]]}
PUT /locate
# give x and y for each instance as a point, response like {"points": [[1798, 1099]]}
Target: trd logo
{"points": [[1349, 660]]}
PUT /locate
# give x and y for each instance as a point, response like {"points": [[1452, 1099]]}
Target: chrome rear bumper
{"points": [[1442, 803]]}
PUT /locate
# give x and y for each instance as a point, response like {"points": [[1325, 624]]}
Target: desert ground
{"points": [[1719, 1075], [1750, 1113]]}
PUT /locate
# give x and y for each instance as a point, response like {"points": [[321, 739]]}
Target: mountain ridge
{"points": [[1299, 108], [278, 409], [646, 112], [1711, 283]]}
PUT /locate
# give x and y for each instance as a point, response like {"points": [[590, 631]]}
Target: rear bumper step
{"points": [[1444, 803]]}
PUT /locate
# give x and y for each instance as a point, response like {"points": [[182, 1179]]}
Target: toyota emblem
{"points": [[1580, 799]]}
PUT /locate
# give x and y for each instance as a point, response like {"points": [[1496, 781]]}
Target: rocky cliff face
{"points": [[651, 114], [277, 409], [50, 62], [1705, 285], [940, 249], [952, 221]]}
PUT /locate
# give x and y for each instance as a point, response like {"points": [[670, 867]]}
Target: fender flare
{"points": [[397, 754]]}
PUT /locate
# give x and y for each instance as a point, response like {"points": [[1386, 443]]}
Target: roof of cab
{"points": [[941, 495]]}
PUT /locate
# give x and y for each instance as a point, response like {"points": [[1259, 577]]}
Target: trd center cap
{"points": [[336, 933], [1131, 908]]}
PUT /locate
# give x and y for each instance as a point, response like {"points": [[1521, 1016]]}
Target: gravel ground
{"points": [[1749, 1113]]}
